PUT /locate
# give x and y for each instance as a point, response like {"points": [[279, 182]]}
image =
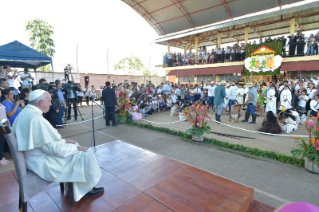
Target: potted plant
{"points": [[309, 149], [123, 107], [198, 118]]}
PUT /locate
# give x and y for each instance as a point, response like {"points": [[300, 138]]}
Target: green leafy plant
{"points": [[134, 63], [309, 149]]}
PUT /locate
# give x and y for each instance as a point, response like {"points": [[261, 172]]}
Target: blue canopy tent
{"points": [[18, 55]]}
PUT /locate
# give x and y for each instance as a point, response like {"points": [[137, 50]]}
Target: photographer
{"points": [[55, 108], [26, 79], [72, 99], [61, 93], [66, 73]]}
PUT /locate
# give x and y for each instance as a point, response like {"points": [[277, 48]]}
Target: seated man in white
{"points": [[51, 157]]}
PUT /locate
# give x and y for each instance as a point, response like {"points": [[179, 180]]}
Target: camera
{"points": [[51, 87]]}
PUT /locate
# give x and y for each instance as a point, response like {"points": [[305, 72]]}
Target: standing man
{"points": [[251, 102], [86, 80], [108, 96], [232, 96], [11, 76], [61, 95], [66, 74], [211, 90], [26, 79], [220, 94], [72, 99]]}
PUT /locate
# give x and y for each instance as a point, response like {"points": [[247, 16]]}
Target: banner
{"points": [[262, 60]]}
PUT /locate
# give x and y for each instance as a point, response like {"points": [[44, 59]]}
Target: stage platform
{"points": [[139, 180]]}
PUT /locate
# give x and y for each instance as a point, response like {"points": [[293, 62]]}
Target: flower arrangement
{"points": [[198, 118], [123, 105], [309, 149]]}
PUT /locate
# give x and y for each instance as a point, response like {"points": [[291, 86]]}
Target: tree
{"points": [[128, 63], [40, 37]]}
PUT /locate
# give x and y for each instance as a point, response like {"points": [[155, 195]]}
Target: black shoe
{"points": [[114, 125], [254, 120], [107, 125], [93, 192], [98, 189], [59, 127], [75, 119], [68, 119], [246, 117]]}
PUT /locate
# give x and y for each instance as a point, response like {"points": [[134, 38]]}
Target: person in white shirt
{"points": [[167, 88], [311, 91], [11, 76], [295, 80], [87, 93], [315, 80], [232, 96], [211, 90], [314, 106], [174, 97], [303, 98], [26, 79], [197, 93]]}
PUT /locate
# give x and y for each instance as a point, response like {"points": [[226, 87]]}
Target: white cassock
{"points": [[285, 94], [271, 101], [289, 126], [240, 95], [47, 154]]}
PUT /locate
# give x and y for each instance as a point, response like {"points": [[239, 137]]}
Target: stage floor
{"points": [[139, 180]]}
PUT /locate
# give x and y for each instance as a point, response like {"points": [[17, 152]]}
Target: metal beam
{"points": [[227, 9], [280, 5], [164, 7], [136, 6], [182, 9], [195, 12]]}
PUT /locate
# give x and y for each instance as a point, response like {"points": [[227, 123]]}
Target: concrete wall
{"points": [[99, 79], [96, 79]]}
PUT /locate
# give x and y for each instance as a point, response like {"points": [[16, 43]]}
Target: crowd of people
{"points": [[285, 102], [295, 47]]}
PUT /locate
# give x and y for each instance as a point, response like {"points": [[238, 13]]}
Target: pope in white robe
{"points": [[271, 100], [285, 98], [50, 156]]}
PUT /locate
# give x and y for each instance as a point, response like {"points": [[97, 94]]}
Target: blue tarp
{"points": [[18, 55]]}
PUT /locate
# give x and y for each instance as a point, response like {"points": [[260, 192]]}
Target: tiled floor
{"points": [[138, 180]]}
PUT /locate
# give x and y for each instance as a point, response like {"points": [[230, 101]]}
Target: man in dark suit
{"points": [[109, 99]]}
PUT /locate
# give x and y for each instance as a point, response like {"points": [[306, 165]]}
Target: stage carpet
{"points": [[139, 180]]}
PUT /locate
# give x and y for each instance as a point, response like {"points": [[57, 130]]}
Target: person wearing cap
{"points": [[251, 102], [219, 95], [26, 79], [50, 156]]}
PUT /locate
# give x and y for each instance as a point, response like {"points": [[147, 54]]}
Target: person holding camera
{"points": [[26, 79], [72, 99], [66, 73]]}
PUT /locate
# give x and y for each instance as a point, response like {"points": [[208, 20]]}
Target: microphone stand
{"points": [[93, 123]]}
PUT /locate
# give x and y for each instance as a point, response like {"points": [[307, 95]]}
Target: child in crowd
{"points": [[174, 110], [169, 102], [303, 98]]}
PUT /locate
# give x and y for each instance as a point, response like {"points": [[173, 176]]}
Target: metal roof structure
{"points": [[169, 16], [180, 21]]}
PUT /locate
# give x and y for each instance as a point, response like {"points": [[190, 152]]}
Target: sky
{"points": [[95, 26]]}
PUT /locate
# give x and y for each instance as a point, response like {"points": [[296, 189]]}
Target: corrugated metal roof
{"points": [[166, 16]]}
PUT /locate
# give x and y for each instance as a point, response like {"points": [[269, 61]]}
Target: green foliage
{"points": [[128, 63], [276, 46], [40, 36], [241, 148]]}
